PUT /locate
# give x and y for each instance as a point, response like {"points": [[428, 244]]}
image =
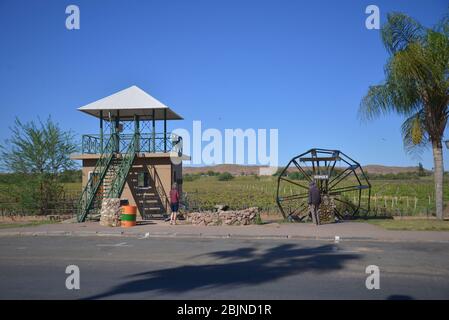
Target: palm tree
{"points": [[416, 86]]}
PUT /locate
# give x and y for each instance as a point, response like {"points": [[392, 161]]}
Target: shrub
{"points": [[295, 176], [70, 176], [191, 177], [225, 176]]}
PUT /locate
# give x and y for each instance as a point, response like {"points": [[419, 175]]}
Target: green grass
{"points": [[411, 225], [72, 186], [25, 224]]}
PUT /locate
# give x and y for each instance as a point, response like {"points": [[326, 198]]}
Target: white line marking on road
{"points": [[121, 244], [147, 235]]}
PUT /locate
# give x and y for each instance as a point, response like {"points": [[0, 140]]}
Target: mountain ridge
{"points": [[237, 169]]}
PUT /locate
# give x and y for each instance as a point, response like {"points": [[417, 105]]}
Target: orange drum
{"points": [[128, 217]]}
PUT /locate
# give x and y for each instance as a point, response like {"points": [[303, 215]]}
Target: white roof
{"points": [[129, 102]]}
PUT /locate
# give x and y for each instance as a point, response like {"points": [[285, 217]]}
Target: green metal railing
{"points": [[91, 144], [96, 179], [119, 181], [147, 142]]}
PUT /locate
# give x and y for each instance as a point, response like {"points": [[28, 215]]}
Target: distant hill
{"points": [[379, 169], [236, 169]]}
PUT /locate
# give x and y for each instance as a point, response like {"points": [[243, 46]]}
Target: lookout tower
{"points": [[129, 158]]}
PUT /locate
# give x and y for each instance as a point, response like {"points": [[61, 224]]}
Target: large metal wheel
{"points": [[342, 182]]}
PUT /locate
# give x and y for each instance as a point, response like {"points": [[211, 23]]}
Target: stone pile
{"points": [[220, 217], [327, 209], [110, 212]]}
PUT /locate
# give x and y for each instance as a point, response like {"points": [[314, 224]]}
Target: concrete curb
{"points": [[154, 235], [148, 235]]}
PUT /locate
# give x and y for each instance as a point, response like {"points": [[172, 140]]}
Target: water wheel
{"points": [[344, 187]]}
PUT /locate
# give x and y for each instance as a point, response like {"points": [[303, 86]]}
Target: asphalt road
{"points": [[171, 268]]}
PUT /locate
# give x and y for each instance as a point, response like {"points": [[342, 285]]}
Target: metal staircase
{"points": [[118, 177], [152, 200], [150, 204], [107, 179]]}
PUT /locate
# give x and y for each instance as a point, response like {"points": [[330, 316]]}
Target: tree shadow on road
{"points": [[241, 267]]}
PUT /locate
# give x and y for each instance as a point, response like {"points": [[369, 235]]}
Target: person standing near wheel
{"points": [[314, 202]]}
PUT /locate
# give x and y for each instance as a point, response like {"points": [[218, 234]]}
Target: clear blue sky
{"points": [[299, 66]]}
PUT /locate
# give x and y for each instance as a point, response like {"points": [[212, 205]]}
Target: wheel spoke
{"points": [[347, 189], [334, 184], [351, 205], [295, 183], [302, 170], [294, 197]]}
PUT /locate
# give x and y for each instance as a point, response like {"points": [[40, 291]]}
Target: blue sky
{"points": [[299, 66]]}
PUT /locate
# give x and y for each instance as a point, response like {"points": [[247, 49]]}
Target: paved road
{"points": [[117, 267]]}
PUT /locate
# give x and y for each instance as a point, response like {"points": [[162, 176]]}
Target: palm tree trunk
{"points": [[438, 177]]}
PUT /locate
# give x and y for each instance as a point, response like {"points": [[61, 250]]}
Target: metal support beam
{"points": [[117, 132], [165, 130], [153, 133], [111, 129], [101, 131], [137, 132]]}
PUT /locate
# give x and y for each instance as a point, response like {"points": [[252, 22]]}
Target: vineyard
{"points": [[407, 197], [388, 197]]}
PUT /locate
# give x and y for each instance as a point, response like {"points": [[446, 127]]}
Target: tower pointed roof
{"points": [[129, 102]]}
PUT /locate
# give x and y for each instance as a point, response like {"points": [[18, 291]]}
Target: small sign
{"points": [[321, 177]]}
